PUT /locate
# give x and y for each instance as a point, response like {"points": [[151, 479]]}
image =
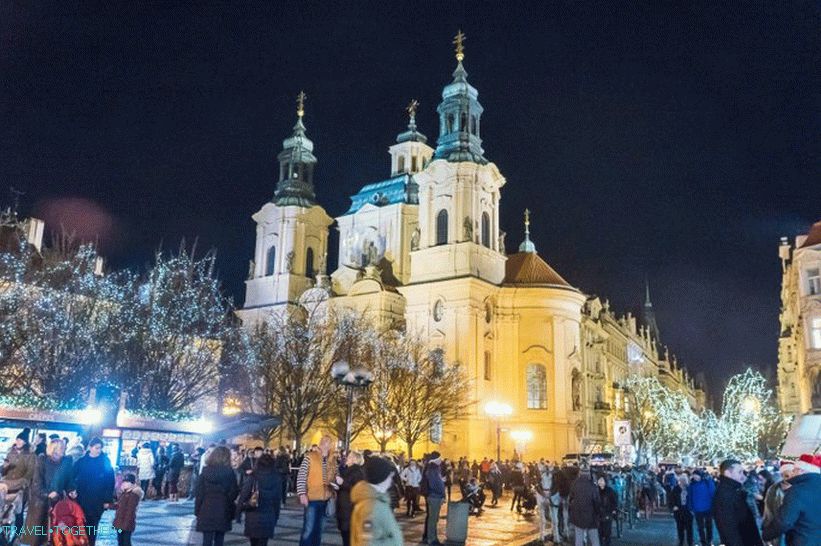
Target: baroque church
{"points": [[424, 248]]}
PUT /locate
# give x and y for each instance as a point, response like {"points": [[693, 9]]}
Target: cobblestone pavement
{"points": [[660, 530], [162, 523]]}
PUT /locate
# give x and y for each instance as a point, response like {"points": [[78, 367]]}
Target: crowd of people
{"points": [[57, 483]]}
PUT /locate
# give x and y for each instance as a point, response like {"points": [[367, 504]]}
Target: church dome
{"points": [[528, 268]]}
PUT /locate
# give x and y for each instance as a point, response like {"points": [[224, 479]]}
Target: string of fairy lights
{"points": [[669, 425]]}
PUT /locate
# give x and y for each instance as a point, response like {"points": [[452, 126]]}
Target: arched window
{"points": [[270, 260], [442, 227], [487, 365], [401, 168], [486, 229], [309, 263], [463, 122], [449, 124], [473, 125], [536, 387], [413, 164]]}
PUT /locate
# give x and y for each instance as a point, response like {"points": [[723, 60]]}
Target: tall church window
{"points": [[473, 125], [486, 229], [813, 282], [442, 227], [413, 164], [270, 260], [401, 168], [536, 387], [449, 123], [309, 263], [463, 122], [487, 365]]}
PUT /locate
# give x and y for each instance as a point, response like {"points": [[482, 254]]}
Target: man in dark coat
{"points": [[799, 515], [217, 490], [434, 491], [585, 509], [734, 519], [94, 484]]}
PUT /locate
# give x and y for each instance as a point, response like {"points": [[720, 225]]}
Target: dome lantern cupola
{"points": [[296, 165], [459, 116]]}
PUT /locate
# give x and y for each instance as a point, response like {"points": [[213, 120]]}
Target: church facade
{"points": [[423, 249]]}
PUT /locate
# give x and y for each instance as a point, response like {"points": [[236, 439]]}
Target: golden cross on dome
{"points": [[300, 103], [459, 42], [411, 108], [527, 220]]}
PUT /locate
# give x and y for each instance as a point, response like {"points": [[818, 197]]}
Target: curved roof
{"points": [[814, 236], [528, 268]]}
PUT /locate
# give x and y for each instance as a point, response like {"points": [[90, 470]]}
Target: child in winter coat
{"points": [[125, 518]]}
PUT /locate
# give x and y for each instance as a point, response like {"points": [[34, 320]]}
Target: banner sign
{"points": [[622, 435]]}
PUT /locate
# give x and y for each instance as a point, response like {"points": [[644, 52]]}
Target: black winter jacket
{"points": [[94, 481], [344, 506], [734, 520], [609, 503], [260, 523], [585, 502], [216, 492]]}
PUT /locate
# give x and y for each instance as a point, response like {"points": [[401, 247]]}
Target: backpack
{"points": [[65, 515]]}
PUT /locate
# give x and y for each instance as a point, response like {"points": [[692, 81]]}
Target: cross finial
{"points": [[459, 42], [411, 108], [527, 221], [300, 103]]}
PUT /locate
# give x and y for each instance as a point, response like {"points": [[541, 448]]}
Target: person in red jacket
{"points": [[68, 523], [125, 518]]}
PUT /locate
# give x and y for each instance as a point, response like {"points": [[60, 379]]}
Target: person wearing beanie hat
{"points": [[24, 435], [18, 470], [372, 521], [798, 516]]}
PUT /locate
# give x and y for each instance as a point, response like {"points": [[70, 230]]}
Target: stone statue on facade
{"points": [[251, 267], [371, 254], [468, 227], [575, 389], [289, 262], [502, 236], [414, 242], [323, 264]]}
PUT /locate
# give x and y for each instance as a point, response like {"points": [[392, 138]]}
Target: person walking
{"points": [[313, 485], [734, 519], [196, 458], [433, 487], [494, 481], [799, 517], [609, 508], [556, 505], [372, 521], [261, 516], [679, 502], [411, 479], [352, 474], [125, 517], [700, 494], [160, 468], [585, 509], [216, 492], [175, 463], [94, 484], [145, 466], [51, 479], [283, 466]]}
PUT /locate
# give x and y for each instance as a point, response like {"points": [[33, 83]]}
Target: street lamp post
{"points": [[350, 379], [497, 410]]}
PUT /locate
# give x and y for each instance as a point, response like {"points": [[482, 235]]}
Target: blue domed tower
{"points": [[460, 116], [296, 166]]}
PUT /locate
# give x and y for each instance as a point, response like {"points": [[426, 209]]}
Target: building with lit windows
{"points": [[799, 345], [423, 249]]}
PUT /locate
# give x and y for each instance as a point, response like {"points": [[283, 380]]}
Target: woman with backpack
{"points": [[260, 499], [216, 492]]}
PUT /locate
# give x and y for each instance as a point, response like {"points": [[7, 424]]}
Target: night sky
{"points": [[673, 141]]}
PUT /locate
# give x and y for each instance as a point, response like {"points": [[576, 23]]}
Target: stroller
{"points": [[68, 521], [473, 494]]}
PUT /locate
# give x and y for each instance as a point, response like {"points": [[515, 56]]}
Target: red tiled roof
{"points": [[814, 236], [529, 268]]}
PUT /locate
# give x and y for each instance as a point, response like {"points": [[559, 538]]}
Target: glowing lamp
{"points": [[91, 416]]}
